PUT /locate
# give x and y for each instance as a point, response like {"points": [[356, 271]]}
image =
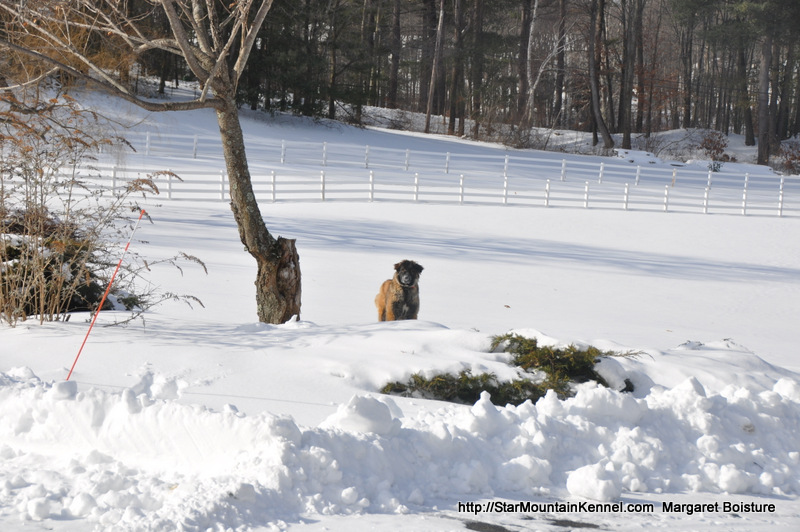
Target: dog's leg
{"points": [[388, 312], [388, 303], [381, 307], [383, 302]]}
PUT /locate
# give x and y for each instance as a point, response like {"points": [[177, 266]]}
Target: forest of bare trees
{"points": [[626, 67], [630, 67]]}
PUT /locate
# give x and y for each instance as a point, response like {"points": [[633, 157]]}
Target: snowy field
{"points": [[204, 419]]}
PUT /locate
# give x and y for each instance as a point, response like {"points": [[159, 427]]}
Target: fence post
{"points": [[505, 189], [666, 198], [505, 166], [222, 184], [744, 194], [416, 187], [324, 154], [147, 145], [674, 176], [408, 157], [563, 169], [273, 186], [602, 168], [447, 164], [780, 198], [113, 179], [547, 194], [194, 148], [461, 189], [322, 184], [169, 184], [709, 178], [283, 152], [705, 200], [638, 174], [366, 157], [586, 196], [625, 198], [371, 185]]}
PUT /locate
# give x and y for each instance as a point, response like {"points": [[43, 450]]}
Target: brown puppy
{"points": [[398, 298]]}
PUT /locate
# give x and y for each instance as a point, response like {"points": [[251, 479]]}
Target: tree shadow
{"points": [[359, 235]]}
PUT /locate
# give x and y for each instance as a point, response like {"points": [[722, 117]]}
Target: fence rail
{"points": [[304, 171]]}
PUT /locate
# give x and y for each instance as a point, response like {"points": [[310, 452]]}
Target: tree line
{"points": [[623, 66]]}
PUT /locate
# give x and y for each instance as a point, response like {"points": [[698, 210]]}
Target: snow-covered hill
{"points": [[202, 418]]}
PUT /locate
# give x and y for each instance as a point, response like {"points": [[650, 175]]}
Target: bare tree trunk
{"points": [[457, 81], [437, 59], [764, 134], [560, 63], [743, 99], [278, 277], [785, 97], [629, 12], [605, 57], [428, 52], [334, 29], [476, 65], [532, 79], [374, 40], [396, 47], [640, 88], [796, 127], [307, 94], [608, 141], [523, 62], [686, 58]]}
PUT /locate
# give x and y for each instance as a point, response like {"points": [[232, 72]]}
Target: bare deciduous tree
{"points": [[215, 38], [594, 37]]}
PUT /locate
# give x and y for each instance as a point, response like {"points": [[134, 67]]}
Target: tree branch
{"points": [[182, 40], [114, 89], [59, 43], [29, 82], [250, 39], [196, 20]]}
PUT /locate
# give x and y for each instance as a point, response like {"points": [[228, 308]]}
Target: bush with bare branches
{"points": [[57, 234], [713, 146], [789, 155]]}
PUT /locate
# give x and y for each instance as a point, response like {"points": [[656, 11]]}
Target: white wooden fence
{"points": [[306, 171]]}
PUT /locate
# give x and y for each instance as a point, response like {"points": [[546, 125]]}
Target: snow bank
{"points": [[140, 462]]}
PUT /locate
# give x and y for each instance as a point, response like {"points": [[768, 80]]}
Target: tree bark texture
{"points": [[476, 65], [457, 78], [608, 141], [437, 59], [523, 64], [764, 135], [396, 48]]}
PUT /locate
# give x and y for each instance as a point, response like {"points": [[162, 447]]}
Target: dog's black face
{"points": [[407, 272]]}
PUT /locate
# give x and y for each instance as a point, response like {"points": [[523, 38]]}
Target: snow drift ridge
{"points": [[175, 461]]}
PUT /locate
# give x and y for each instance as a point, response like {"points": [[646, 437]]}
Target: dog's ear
{"points": [[418, 268], [398, 266]]}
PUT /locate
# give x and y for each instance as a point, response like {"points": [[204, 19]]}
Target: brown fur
{"points": [[398, 298]]}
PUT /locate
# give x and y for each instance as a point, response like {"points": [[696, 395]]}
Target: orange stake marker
{"points": [[108, 288]]}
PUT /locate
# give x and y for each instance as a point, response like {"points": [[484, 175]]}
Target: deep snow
{"points": [[201, 418]]}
